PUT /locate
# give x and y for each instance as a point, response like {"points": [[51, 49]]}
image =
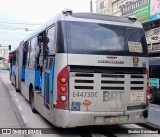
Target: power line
{"points": [[13, 33], [19, 29], [3, 26], [10, 27], [21, 23]]}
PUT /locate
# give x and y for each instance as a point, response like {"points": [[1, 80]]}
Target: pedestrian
{"points": [[10, 62]]}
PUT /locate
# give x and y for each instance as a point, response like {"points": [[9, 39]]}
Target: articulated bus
{"points": [[95, 70]]}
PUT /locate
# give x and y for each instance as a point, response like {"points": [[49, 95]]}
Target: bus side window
{"points": [[50, 40], [26, 54], [32, 53]]}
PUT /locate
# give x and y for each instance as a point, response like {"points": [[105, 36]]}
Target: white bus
{"points": [[95, 70]]}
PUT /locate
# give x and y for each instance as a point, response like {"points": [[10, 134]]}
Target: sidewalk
{"points": [[8, 117]]}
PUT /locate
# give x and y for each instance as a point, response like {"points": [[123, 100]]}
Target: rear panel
{"points": [[107, 88]]}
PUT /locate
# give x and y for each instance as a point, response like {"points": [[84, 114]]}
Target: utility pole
{"points": [[91, 8]]}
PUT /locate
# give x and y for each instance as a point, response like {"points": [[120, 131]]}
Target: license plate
{"points": [[111, 119], [137, 96]]}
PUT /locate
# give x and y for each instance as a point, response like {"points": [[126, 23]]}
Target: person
{"points": [[38, 51], [9, 57], [10, 62], [38, 55]]}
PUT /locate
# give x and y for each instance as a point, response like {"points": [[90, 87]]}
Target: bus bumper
{"points": [[66, 118]]}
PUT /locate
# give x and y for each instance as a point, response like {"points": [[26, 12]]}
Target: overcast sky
{"points": [[13, 13]]}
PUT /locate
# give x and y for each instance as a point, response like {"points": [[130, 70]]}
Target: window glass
{"points": [[32, 52], [102, 38], [17, 56], [51, 39], [26, 48]]}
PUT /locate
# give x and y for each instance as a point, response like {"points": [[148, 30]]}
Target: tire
{"points": [[17, 90], [32, 102], [152, 97]]}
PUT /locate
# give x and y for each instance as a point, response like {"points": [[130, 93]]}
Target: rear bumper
{"points": [[65, 118]]}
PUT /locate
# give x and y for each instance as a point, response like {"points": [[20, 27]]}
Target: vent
{"points": [[51, 63], [137, 76], [84, 75], [46, 90], [83, 87], [84, 81], [112, 88], [112, 76], [111, 82], [137, 82], [136, 88]]}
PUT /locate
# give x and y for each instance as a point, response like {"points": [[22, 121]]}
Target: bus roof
{"points": [[88, 17]]}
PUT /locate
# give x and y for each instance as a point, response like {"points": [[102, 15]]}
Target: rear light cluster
{"points": [[62, 89], [148, 88]]}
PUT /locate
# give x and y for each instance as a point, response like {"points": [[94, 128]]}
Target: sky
{"points": [[17, 16]]}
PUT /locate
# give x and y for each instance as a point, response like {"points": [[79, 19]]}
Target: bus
{"points": [[95, 70], [154, 78]]}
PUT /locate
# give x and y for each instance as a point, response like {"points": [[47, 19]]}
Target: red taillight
{"points": [[147, 90], [62, 89], [62, 80]]}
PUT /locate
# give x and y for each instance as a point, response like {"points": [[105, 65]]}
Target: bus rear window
{"points": [[95, 38]]}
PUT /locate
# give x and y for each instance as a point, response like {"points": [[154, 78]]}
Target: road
{"points": [[154, 113], [31, 120]]}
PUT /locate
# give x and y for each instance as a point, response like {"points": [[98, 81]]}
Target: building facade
{"points": [[146, 11], [4, 58]]}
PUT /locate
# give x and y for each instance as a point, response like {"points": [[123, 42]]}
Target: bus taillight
{"points": [[62, 89], [63, 80]]}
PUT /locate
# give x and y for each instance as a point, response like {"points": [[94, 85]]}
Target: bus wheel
{"points": [[152, 97], [32, 102]]}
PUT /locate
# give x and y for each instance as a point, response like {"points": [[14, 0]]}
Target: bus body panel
{"points": [[20, 70], [25, 90], [61, 60], [106, 60], [93, 90], [29, 77], [66, 118]]}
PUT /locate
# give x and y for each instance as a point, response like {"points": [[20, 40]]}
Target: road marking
{"points": [[153, 105], [156, 135], [24, 119], [154, 109], [19, 107], [136, 126], [16, 99]]}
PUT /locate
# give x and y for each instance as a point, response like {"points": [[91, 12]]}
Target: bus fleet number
{"points": [[85, 94]]}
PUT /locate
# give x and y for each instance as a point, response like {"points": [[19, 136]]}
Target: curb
{"points": [[153, 125]]}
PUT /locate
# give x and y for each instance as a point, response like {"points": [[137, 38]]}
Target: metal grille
{"points": [[101, 81], [50, 63], [46, 90]]}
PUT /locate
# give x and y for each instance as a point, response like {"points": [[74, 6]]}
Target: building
{"points": [[146, 11], [4, 58]]}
